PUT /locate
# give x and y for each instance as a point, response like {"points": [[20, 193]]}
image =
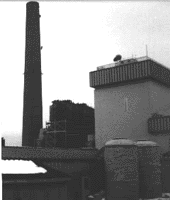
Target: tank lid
{"points": [[119, 141], [146, 143]]}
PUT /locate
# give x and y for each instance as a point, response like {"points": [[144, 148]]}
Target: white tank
{"points": [[121, 164], [150, 182]]}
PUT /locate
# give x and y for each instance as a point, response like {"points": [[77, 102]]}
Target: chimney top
{"points": [[33, 4]]}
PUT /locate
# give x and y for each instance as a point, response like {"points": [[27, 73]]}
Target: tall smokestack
{"points": [[32, 110]]}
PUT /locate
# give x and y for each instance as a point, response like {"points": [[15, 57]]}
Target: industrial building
{"points": [[71, 173], [79, 173], [132, 100], [70, 126]]}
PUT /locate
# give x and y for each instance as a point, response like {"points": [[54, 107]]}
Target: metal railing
{"points": [[130, 59], [121, 62]]}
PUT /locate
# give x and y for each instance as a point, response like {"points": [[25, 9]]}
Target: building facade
{"points": [[126, 95]]}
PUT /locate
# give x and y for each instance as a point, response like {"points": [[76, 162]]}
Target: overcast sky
{"points": [[76, 38]]}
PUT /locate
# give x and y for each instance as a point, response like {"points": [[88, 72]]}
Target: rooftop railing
{"points": [[128, 60], [130, 70]]}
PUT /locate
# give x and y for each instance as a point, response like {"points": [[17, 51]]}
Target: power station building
{"points": [[132, 100]]}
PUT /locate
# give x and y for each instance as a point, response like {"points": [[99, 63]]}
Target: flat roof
{"points": [[130, 71], [32, 153]]}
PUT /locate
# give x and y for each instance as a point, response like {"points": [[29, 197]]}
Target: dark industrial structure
{"points": [[32, 110], [71, 125]]}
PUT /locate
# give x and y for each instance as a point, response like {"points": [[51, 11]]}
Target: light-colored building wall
{"points": [[123, 111], [160, 103], [159, 98], [163, 140], [117, 117]]}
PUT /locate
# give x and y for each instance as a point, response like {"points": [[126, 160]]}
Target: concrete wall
{"points": [[159, 98], [30, 191], [113, 119], [72, 167], [160, 102], [166, 174], [78, 170], [123, 111], [74, 189], [163, 140]]}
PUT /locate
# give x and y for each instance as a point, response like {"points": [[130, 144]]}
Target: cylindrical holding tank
{"points": [[121, 164], [150, 183]]}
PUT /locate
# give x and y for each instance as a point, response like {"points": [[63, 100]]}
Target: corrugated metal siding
{"points": [[120, 73], [100, 76], [110, 75], [130, 71], [160, 73], [107, 76], [103, 72], [97, 78], [159, 125], [94, 78], [117, 75]]}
